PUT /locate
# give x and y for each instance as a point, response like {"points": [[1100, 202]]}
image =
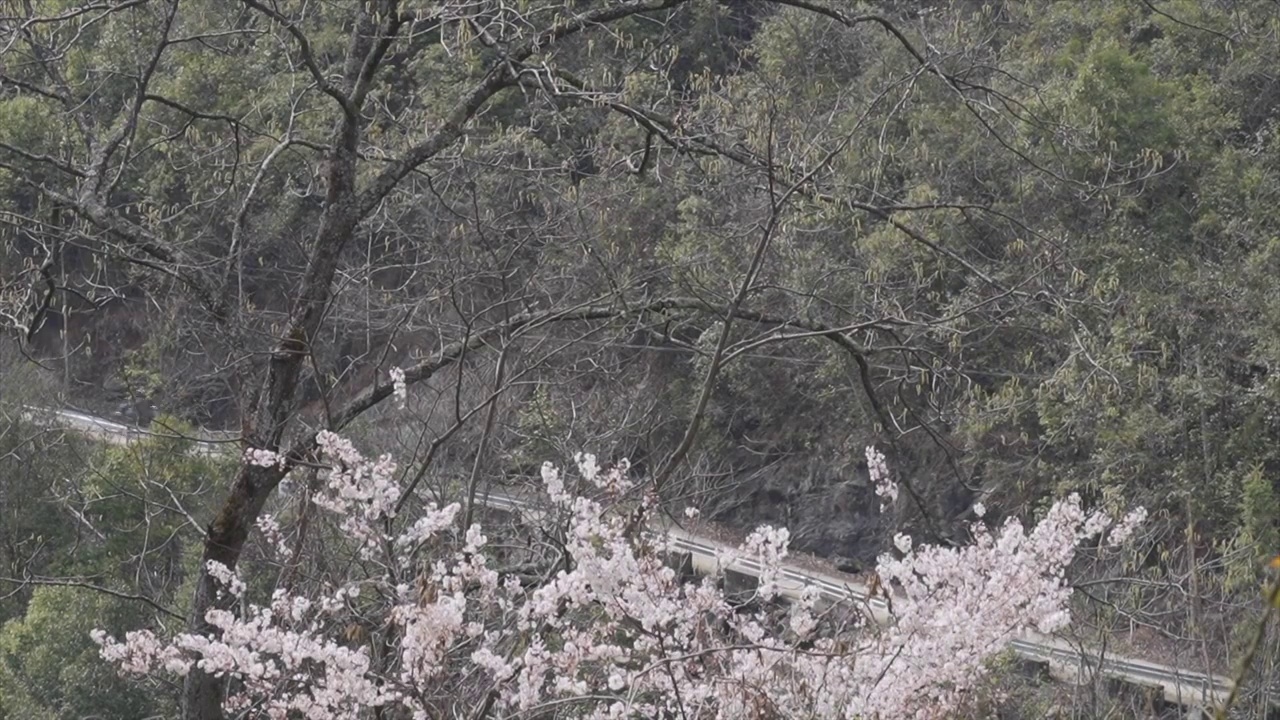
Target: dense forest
{"points": [[1028, 249]]}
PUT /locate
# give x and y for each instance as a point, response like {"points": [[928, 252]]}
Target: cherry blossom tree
{"points": [[615, 631]]}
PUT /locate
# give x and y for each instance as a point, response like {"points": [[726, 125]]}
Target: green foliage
{"points": [[141, 498], [50, 668], [1122, 102], [35, 534], [72, 509], [118, 518], [1260, 510]]}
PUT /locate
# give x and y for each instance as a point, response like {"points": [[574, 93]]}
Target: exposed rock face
{"points": [[135, 412], [836, 519]]}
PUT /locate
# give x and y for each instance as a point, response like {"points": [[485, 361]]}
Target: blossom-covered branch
{"points": [[615, 632]]}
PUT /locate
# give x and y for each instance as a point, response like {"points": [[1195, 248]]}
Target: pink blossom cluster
{"points": [[360, 492], [272, 535], [259, 457], [768, 547], [1124, 529], [612, 630], [878, 471], [282, 660], [399, 389], [956, 606]]}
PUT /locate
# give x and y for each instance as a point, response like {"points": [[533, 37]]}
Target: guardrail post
{"points": [[1139, 695], [739, 588], [682, 563], [1033, 669]]}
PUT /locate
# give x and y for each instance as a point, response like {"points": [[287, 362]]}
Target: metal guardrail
{"points": [[207, 443], [1179, 686]]}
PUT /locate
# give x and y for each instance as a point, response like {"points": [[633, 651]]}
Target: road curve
{"points": [[1065, 661]]}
